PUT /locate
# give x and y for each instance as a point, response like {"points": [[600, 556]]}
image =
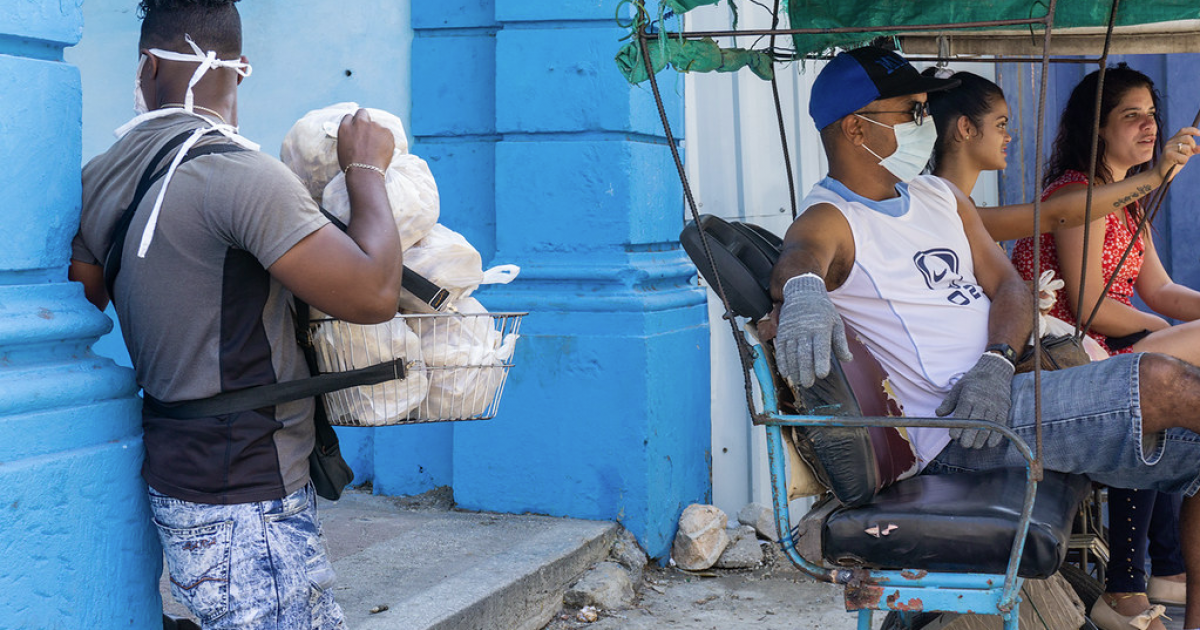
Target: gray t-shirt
{"points": [[200, 314]]}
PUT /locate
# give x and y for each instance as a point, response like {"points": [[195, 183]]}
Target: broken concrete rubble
{"points": [[701, 537]]}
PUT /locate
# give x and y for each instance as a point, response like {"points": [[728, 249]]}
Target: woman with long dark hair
{"points": [[972, 123], [1129, 146]]}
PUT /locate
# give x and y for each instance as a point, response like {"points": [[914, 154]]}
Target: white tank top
{"points": [[911, 296]]}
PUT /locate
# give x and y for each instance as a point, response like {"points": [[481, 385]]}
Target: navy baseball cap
{"points": [[856, 77]]}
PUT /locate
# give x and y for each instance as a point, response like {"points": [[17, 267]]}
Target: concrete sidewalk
{"points": [[425, 567]]}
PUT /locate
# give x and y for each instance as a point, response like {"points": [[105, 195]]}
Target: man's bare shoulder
{"points": [[819, 221]]}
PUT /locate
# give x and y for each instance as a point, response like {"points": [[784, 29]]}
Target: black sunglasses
{"points": [[919, 112]]}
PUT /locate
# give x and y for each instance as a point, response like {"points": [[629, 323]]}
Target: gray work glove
{"points": [[809, 328], [983, 393]]}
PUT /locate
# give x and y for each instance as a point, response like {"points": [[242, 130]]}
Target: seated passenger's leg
{"points": [[1168, 574], [1129, 514]]}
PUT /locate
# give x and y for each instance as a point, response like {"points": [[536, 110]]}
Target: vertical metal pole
{"points": [[1080, 325], [1040, 162], [787, 157], [743, 348]]}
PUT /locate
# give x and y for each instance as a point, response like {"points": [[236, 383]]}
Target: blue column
{"points": [[454, 130], [75, 531], [606, 414]]}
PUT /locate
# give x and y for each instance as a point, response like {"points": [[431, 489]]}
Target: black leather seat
{"points": [[962, 523]]}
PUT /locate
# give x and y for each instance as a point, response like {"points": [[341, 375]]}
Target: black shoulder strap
{"points": [[112, 260], [411, 281], [274, 393]]}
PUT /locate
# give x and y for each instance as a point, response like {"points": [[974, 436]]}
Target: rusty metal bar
{"points": [[1001, 59], [1011, 583], [1080, 325], [787, 158], [852, 29], [744, 351]]}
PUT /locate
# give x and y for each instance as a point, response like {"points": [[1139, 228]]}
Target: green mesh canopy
{"points": [[691, 55], [683, 6], [705, 55], [866, 13]]}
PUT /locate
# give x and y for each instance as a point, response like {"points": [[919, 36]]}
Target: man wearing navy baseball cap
{"points": [[905, 262]]}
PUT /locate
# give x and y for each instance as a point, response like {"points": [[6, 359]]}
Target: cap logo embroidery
{"points": [[891, 64]]}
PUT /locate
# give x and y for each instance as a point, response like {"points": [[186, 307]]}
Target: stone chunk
{"points": [[629, 554], [744, 552], [605, 586], [761, 518], [701, 537]]}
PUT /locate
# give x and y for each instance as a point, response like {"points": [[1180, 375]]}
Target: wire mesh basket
{"points": [[456, 365]]}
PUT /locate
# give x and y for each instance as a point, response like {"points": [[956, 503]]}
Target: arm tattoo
{"points": [[1131, 197]]}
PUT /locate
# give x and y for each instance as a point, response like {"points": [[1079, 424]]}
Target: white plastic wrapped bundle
{"points": [[465, 356], [342, 346], [310, 151], [445, 258], [412, 195], [310, 146]]}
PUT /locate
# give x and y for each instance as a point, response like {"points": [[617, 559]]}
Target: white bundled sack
{"points": [[465, 357], [310, 146], [445, 258], [342, 347], [412, 196], [310, 151]]}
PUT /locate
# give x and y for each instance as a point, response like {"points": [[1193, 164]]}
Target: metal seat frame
{"points": [[906, 591]]}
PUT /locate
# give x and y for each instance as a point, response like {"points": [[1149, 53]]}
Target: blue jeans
{"points": [[249, 566], [1091, 425]]}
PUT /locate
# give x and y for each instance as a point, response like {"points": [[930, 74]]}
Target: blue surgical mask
{"points": [[914, 145]]}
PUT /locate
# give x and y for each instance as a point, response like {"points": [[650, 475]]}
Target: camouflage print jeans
{"points": [[250, 566]]}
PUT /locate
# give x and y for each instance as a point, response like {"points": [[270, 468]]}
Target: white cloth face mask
{"points": [[139, 99], [914, 145], [207, 61]]}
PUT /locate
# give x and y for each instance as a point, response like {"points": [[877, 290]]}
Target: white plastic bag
{"points": [[465, 362], [412, 196], [446, 259], [310, 146], [342, 346]]}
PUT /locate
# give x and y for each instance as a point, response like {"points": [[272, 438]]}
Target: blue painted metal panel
{"points": [[451, 14], [605, 417], [358, 449], [52, 24], [75, 530], [465, 172], [1179, 228], [33, 185], [585, 195], [567, 10], [75, 513], [413, 459], [549, 72], [606, 412], [454, 85]]}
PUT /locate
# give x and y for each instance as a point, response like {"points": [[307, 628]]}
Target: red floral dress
{"points": [[1119, 229]]}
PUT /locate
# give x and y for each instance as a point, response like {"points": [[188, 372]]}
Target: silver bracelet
{"points": [[369, 167]]}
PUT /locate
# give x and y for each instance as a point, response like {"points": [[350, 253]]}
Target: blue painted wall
{"points": [[1174, 76], [75, 531], [563, 166]]}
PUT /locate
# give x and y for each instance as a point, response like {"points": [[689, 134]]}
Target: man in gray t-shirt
{"points": [[207, 310]]}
